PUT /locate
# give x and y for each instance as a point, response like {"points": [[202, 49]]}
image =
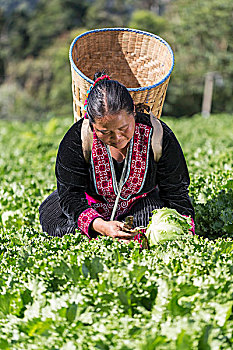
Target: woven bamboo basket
{"points": [[142, 61]]}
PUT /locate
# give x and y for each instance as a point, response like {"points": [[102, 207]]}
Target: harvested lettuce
{"points": [[167, 224]]}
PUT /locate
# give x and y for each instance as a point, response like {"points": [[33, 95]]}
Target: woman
{"points": [[116, 163]]}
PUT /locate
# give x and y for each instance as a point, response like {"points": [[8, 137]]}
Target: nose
{"points": [[116, 136]]}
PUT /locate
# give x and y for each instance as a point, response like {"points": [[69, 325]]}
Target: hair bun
{"points": [[99, 74], [140, 107]]}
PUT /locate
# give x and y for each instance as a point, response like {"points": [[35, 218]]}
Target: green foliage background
{"points": [[36, 35]]}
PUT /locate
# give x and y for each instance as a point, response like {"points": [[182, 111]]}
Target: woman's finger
{"points": [[120, 224], [126, 235]]}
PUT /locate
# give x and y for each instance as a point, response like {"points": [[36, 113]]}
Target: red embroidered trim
{"points": [[86, 218], [101, 169], [192, 224], [139, 161]]}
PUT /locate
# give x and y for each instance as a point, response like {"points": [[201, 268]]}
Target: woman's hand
{"points": [[112, 229]]}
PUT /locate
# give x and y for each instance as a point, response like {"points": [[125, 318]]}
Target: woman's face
{"points": [[115, 130]]}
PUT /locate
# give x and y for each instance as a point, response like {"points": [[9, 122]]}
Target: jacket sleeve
{"points": [[72, 179], [172, 175]]}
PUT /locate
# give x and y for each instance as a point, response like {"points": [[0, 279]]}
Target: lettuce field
{"points": [[67, 293]]}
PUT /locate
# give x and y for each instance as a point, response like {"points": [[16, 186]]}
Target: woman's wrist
{"points": [[99, 225]]}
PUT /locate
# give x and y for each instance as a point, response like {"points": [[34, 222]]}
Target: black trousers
{"points": [[57, 224]]}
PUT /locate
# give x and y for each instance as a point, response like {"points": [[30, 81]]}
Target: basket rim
{"points": [[142, 88]]}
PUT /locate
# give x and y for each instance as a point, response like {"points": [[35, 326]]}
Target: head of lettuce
{"points": [[166, 225]]}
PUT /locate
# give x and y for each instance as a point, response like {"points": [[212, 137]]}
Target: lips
{"points": [[117, 144]]}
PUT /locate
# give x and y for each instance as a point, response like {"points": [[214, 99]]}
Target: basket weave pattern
{"points": [[141, 61]]}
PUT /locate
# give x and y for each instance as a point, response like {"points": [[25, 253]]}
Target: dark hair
{"points": [[108, 97]]}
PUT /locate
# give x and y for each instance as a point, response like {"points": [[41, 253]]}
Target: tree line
{"points": [[35, 36]]}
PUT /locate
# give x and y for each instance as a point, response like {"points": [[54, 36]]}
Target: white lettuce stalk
{"points": [[167, 224]]}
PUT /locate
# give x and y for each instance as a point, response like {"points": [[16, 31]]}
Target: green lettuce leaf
{"points": [[167, 224]]}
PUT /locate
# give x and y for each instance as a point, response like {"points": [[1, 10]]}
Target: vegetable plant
{"points": [[68, 293]]}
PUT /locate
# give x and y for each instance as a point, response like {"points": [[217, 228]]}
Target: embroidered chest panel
{"points": [[103, 168]]}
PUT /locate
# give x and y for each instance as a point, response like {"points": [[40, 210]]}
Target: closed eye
{"points": [[108, 132], [123, 128], [103, 132]]}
